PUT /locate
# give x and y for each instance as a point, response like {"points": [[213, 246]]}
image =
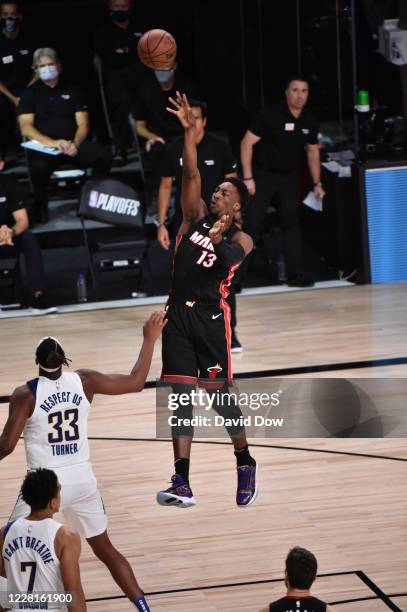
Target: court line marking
{"points": [[378, 593], [255, 445], [351, 365]]}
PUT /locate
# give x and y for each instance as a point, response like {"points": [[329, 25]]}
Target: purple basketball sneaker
{"points": [[178, 495], [247, 489]]}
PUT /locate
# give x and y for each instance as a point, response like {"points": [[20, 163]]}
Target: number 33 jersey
{"points": [[198, 274], [56, 434]]}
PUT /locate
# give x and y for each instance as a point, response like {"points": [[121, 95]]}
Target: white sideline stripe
{"points": [[161, 299]]}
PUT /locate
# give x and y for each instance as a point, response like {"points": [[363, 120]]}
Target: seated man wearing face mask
{"points": [[152, 120], [53, 113], [116, 45], [16, 48]]}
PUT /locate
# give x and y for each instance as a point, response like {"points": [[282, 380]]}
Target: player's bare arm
{"points": [[68, 550], [118, 384], [193, 207], [20, 409]]}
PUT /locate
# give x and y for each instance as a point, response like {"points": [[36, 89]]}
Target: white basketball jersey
{"points": [[56, 434], [29, 557]]}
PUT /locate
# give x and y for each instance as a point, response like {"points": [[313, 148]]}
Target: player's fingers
{"points": [[171, 110]]}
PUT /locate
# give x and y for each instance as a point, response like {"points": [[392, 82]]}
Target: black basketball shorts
{"points": [[196, 343]]}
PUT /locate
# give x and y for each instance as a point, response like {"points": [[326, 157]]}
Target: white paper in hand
{"points": [[38, 146], [313, 202]]}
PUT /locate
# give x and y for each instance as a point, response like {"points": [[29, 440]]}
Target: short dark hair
{"points": [[199, 104], [17, 4], [244, 195], [296, 77], [50, 354], [301, 566], [39, 487]]}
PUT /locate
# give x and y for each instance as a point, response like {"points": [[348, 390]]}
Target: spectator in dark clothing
{"points": [[116, 45], [300, 573], [272, 151], [16, 49], [15, 238], [53, 113], [153, 122]]}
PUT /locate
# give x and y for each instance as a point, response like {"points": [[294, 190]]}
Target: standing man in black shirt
{"points": [[300, 572], [152, 120], [216, 163], [116, 44], [271, 154], [53, 113], [16, 49], [15, 238]]}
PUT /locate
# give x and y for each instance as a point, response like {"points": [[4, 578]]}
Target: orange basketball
{"points": [[157, 49]]}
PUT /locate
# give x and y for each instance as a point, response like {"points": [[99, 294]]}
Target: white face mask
{"points": [[48, 73], [164, 75]]}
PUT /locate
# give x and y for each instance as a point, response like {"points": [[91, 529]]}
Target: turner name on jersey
{"points": [[56, 433]]}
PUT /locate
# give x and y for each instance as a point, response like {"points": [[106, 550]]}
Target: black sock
{"points": [[243, 456], [182, 468]]}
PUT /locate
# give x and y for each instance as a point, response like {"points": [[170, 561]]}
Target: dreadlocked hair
{"points": [[50, 354]]}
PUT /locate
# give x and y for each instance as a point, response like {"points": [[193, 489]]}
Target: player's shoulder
{"points": [[67, 538], [21, 393]]}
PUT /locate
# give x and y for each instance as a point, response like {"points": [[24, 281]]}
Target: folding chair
{"points": [[120, 246]]}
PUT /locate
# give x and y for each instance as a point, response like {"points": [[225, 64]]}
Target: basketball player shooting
{"points": [[196, 340]]}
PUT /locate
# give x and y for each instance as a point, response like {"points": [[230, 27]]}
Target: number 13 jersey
{"points": [[198, 274], [56, 434]]}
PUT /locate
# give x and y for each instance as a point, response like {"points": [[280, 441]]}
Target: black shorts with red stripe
{"points": [[196, 343]]}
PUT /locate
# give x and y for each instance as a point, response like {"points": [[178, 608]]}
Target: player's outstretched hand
{"points": [[217, 229], [154, 326], [182, 110]]}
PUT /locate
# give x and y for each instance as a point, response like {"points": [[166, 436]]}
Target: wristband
{"points": [[248, 178], [318, 184]]}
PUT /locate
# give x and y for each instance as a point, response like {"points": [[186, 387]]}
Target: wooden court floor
{"points": [[345, 499]]}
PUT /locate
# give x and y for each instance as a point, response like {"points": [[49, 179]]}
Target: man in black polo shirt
{"points": [[15, 238], [300, 572], [271, 154], [216, 162], [116, 44], [53, 113], [16, 49], [153, 122]]}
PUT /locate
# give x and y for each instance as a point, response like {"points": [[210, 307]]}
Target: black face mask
{"points": [[9, 24], [120, 16]]}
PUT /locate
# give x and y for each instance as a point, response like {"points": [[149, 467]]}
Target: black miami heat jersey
{"points": [[198, 275], [298, 604]]}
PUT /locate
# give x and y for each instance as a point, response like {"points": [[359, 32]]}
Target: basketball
{"points": [[157, 49]]}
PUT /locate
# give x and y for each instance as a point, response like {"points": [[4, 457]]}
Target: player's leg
{"points": [[214, 352], [83, 509], [180, 369], [119, 568]]}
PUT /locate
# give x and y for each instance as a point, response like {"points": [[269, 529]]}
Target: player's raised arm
{"points": [[118, 384], [193, 208]]}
